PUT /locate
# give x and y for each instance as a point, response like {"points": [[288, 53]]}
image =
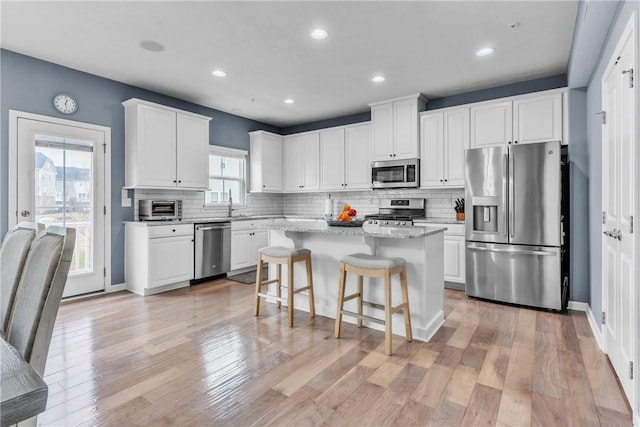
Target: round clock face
{"points": [[65, 104]]}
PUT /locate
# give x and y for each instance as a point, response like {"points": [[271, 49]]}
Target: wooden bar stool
{"points": [[280, 255], [364, 265]]}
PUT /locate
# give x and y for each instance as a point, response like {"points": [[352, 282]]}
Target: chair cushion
{"points": [[370, 262], [282, 252]]}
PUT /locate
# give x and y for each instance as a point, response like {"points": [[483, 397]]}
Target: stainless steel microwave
{"points": [[159, 210], [395, 174]]}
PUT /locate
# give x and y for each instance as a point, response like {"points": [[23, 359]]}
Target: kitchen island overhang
{"points": [[421, 247]]}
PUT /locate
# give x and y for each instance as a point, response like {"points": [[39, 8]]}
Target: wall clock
{"points": [[64, 103]]}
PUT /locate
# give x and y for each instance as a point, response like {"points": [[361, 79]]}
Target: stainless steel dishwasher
{"points": [[212, 249]]}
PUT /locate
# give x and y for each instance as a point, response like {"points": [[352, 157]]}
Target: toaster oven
{"points": [[159, 210]]}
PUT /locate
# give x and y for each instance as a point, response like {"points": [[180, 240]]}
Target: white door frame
{"points": [[634, 399], [14, 115]]}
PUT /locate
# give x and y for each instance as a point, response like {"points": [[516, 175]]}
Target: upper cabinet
{"points": [[165, 147], [265, 162], [523, 120], [444, 135], [344, 158], [395, 127], [301, 154]]}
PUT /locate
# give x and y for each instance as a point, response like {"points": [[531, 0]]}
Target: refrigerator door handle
{"points": [[511, 251], [506, 168], [512, 195]]}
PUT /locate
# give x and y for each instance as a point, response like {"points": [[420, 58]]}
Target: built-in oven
{"points": [[395, 173], [159, 210]]}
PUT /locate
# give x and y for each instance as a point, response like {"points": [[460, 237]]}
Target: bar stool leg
{"points": [[343, 274], [387, 313], [258, 283], [360, 300], [405, 301], [279, 284], [290, 291], [312, 303]]}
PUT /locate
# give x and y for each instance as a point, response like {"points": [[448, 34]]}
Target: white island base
{"points": [[425, 272]]}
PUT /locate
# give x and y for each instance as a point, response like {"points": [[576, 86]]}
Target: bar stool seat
{"points": [[280, 255], [364, 265]]}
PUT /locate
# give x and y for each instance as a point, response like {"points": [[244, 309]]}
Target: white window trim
{"points": [[235, 153]]}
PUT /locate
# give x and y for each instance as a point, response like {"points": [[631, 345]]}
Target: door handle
{"points": [[512, 195], [25, 213], [511, 251]]}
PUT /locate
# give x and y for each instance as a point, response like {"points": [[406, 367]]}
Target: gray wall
{"points": [[29, 84], [579, 195], [594, 147]]}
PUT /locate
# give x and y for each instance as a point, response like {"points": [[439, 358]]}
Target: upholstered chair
{"points": [[13, 255]]}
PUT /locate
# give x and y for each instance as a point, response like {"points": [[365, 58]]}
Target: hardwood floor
{"points": [[198, 356]]}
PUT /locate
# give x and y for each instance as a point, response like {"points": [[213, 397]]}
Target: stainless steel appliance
{"points": [[395, 173], [513, 224], [159, 210], [397, 212], [212, 249]]}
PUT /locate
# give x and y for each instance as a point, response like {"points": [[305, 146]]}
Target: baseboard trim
{"points": [[595, 329], [578, 306], [636, 419], [116, 288]]}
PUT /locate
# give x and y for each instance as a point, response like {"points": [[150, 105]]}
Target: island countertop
{"points": [[366, 230]]}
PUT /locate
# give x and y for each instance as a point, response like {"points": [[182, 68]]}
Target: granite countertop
{"points": [[225, 219], [366, 230]]}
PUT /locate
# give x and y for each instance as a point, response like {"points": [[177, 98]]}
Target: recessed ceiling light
{"points": [[289, 101], [319, 34], [377, 79], [484, 51], [513, 25], [218, 73], [151, 46]]}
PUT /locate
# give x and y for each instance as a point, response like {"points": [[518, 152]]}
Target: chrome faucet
{"points": [[230, 204]]}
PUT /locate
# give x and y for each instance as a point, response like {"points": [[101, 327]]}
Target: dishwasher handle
{"points": [[212, 227]]}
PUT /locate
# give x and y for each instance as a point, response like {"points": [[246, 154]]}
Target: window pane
{"points": [[215, 165], [232, 167]]}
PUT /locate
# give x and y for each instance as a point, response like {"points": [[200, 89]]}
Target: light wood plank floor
{"points": [[198, 357]]}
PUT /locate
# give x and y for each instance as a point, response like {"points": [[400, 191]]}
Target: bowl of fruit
{"points": [[346, 218]]}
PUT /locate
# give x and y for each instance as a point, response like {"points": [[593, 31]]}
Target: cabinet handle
{"points": [[174, 181], [509, 142], [446, 180], [179, 182], [515, 142], [174, 230]]}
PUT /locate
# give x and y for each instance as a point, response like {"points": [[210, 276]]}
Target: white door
{"points": [[332, 159], [405, 129], [192, 139], [537, 119], [456, 137], [431, 150], [357, 163], [170, 260], [619, 200], [491, 124], [291, 167], [60, 180], [310, 155], [382, 122]]}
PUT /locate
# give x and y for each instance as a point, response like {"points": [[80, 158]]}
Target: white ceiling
{"points": [[266, 50]]}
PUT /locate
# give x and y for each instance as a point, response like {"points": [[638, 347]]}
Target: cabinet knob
{"points": [[509, 142], [446, 180], [515, 142], [174, 230], [179, 181], [174, 181]]}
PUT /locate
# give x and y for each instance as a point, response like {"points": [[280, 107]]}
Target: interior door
{"points": [[619, 101], [60, 181]]}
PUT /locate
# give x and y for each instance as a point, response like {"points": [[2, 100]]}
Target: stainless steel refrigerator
{"points": [[513, 224]]}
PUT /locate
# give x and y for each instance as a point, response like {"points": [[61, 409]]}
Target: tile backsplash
{"points": [[440, 202]]}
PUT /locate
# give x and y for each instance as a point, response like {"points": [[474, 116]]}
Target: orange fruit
{"points": [[346, 208]]}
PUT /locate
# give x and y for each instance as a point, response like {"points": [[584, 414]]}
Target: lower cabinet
{"points": [[158, 257], [246, 238], [454, 262], [454, 253]]}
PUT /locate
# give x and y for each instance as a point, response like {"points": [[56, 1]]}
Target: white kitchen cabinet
{"points": [[246, 238], [158, 257], [454, 252], [301, 162], [165, 147], [265, 162], [537, 119], [344, 158], [519, 120], [395, 127], [444, 135]]}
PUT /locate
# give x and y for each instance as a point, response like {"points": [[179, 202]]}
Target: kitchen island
{"points": [[421, 247]]}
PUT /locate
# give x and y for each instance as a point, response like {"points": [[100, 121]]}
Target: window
{"points": [[226, 173]]}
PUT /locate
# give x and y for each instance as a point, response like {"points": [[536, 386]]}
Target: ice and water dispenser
{"points": [[485, 214]]}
